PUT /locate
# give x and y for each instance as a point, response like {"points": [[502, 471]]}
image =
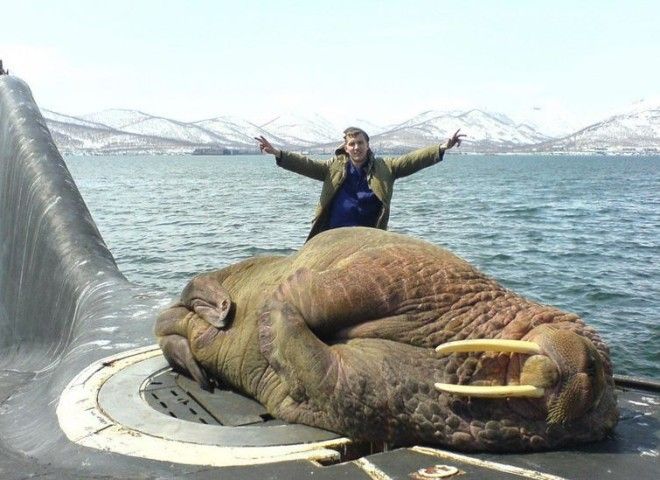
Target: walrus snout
{"points": [[559, 366], [581, 380]]}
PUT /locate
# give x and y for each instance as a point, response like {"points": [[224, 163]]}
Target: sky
{"points": [[382, 61]]}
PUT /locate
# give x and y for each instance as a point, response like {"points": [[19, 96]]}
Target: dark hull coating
{"points": [[64, 305]]}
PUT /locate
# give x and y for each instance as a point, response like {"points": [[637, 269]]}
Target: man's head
{"points": [[356, 145]]}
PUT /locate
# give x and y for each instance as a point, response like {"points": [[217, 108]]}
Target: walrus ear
{"points": [[216, 315]]}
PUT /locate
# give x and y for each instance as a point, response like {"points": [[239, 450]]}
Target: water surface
{"points": [[580, 233]]}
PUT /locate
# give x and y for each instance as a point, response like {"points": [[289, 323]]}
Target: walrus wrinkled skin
{"points": [[342, 334]]}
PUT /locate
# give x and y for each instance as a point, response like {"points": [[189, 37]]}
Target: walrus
{"points": [[383, 337]]}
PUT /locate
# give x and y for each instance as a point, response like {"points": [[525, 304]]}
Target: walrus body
{"points": [[342, 335]]}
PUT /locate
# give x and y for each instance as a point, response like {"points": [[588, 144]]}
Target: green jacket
{"points": [[381, 174]]}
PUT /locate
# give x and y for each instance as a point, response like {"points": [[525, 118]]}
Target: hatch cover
{"points": [[180, 397], [132, 403]]}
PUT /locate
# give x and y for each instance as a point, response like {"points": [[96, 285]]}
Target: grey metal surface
{"points": [[121, 400], [228, 407], [64, 305], [632, 452], [164, 395]]}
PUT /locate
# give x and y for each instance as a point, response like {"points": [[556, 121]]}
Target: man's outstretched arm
{"points": [[424, 157], [294, 162]]}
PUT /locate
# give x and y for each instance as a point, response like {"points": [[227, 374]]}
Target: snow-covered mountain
{"points": [[296, 130], [236, 130], [76, 135], [634, 131], [51, 116], [550, 119], [120, 131], [485, 131], [368, 126], [140, 123], [118, 118]]}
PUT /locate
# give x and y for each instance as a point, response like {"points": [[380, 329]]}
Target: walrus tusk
{"points": [[489, 345], [500, 391]]}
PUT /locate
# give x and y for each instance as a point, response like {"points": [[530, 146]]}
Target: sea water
{"points": [[578, 232]]}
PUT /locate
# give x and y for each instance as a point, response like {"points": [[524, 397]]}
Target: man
{"points": [[357, 186]]}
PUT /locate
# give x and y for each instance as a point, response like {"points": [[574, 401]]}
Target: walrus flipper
{"points": [[171, 330], [176, 351], [337, 385], [300, 323], [288, 343]]}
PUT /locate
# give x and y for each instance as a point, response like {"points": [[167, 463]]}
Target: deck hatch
{"points": [[180, 397], [132, 403]]}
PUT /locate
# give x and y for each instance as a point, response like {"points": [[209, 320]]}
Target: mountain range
{"points": [[120, 131]]}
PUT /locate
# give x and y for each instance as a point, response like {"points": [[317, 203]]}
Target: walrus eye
{"points": [[590, 370], [491, 345]]}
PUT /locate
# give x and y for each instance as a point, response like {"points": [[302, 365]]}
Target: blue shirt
{"points": [[354, 204]]}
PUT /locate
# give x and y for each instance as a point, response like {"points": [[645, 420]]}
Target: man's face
{"points": [[357, 146]]}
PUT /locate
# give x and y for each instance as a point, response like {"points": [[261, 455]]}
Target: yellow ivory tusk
{"points": [[501, 391], [489, 345]]}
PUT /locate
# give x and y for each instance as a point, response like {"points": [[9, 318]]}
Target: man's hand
{"points": [[265, 146], [454, 140]]}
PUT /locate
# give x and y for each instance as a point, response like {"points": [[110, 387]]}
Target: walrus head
{"points": [[560, 373]]}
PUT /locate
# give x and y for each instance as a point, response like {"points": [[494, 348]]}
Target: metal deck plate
{"points": [[180, 397], [132, 404]]}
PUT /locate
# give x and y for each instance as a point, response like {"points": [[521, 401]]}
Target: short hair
{"points": [[353, 131]]}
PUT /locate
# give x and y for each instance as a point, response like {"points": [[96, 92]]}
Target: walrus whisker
{"points": [[498, 391], [489, 345]]}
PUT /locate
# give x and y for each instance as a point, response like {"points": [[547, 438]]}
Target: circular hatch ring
{"points": [[103, 407]]}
